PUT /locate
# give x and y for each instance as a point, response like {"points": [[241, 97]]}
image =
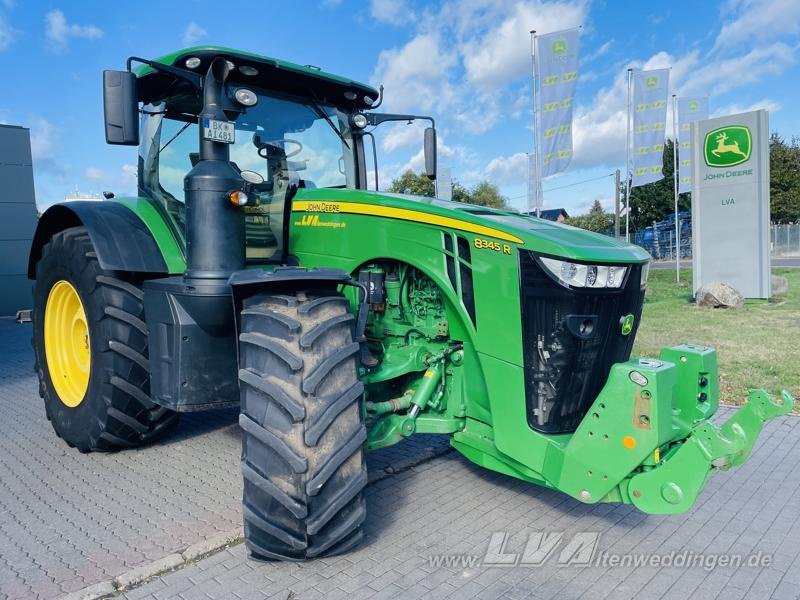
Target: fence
{"points": [[659, 239], [784, 240]]}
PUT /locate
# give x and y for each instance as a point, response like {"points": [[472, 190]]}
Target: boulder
{"points": [[719, 294], [780, 285]]}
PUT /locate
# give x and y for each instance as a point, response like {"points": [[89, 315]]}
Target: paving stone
{"points": [[77, 520], [70, 520]]}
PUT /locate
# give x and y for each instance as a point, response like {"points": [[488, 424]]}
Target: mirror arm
{"points": [[194, 78], [378, 118]]}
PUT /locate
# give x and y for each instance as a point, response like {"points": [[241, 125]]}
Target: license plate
{"points": [[218, 131]]}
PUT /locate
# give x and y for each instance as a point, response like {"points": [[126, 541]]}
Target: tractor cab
{"points": [[285, 127], [288, 128]]}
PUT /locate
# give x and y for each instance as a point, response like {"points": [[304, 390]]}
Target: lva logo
{"points": [[728, 146]]}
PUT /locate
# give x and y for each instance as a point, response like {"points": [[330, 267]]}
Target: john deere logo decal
{"points": [[559, 47], [694, 105], [626, 324], [728, 146], [651, 82]]}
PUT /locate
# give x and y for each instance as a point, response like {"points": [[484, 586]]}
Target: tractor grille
{"points": [[571, 338]]}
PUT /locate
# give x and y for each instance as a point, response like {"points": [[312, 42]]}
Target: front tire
{"points": [[303, 437], [90, 343]]}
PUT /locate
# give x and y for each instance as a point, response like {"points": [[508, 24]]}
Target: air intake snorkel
{"points": [[215, 232]]}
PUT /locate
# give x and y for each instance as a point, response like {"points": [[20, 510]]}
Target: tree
{"points": [[460, 193], [596, 220], [487, 194], [411, 183], [784, 179], [483, 194]]}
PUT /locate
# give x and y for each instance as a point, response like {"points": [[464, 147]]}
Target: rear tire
{"points": [[116, 410], [303, 437]]}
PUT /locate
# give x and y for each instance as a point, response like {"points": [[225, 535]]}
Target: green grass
{"points": [[757, 346]]}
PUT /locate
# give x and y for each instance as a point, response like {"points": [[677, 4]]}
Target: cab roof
{"points": [[270, 74]]}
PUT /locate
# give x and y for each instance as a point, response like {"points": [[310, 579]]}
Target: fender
{"points": [[245, 283], [121, 238], [248, 282]]}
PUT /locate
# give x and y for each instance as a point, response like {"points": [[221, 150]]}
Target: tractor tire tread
{"points": [[117, 411], [302, 433]]}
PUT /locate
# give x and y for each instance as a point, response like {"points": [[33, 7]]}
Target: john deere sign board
{"points": [[730, 202]]}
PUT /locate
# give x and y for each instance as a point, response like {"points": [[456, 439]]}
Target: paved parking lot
{"points": [[425, 526], [69, 520], [442, 528]]}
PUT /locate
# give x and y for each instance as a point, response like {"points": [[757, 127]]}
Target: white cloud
{"points": [[402, 135], [757, 19], [502, 52], [95, 174], [468, 57], [43, 139], [415, 76], [417, 162], [719, 76], [599, 129], [58, 32], [730, 109], [601, 51], [508, 170], [7, 34], [394, 12], [193, 33], [121, 181], [468, 62]]}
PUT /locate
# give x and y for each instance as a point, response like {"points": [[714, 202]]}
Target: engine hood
{"points": [[529, 232]]}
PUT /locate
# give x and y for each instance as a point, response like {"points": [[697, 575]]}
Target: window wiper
{"points": [[318, 109], [172, 139]]}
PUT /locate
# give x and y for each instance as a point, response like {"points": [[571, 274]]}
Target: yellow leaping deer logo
{"points": [[727, 146], [723, 147]]}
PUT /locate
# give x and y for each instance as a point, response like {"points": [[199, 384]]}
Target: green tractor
{"points": [[254, 268]]}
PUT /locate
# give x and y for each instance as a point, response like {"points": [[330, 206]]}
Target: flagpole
{"points": [[675, 186], [628, 164], [536, 146]]}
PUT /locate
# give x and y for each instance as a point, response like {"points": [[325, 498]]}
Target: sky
{"points": [[465, 62]]}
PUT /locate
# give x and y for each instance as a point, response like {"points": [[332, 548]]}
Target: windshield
{"points": [[291, 144]]}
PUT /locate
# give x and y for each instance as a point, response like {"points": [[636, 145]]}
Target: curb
{"points": [[197, 551], [143, 573]]}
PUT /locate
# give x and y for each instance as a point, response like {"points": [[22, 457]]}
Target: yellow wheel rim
{"points": [[66, 343]]}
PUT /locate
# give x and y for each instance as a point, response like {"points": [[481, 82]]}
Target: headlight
{"points": [[645, 274], [245, 97], [585, 276]]}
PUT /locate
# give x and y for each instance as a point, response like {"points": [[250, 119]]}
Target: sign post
{"points": [[730, 202]]}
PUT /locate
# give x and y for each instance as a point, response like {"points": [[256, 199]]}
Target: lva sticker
{"points": [[728, 146]]}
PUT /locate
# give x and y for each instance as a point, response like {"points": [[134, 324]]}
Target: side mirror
{"points": [[121, 108], [430, 153]]}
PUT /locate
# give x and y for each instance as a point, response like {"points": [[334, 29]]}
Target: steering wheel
{"points": [[280, 144]]}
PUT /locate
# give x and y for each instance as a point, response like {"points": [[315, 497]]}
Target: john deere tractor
{"points": [[255, 268]]}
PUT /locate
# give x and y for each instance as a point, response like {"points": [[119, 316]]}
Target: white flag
{"points": [[689, 110], [557, 68], [534, 199], [650, 89], [444, 184]]}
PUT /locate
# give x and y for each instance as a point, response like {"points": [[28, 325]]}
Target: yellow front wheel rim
{"points": [[66, 343]]}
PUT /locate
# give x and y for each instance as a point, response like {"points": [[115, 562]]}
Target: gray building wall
{"points": [[17, 218]]}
